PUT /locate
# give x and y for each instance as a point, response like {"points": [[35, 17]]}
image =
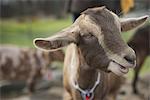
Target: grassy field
{"points": [[23, 33]]}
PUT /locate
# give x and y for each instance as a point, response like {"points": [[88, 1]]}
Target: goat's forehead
{"points": [[103, 16], [104, 19], [116, 20], [106, 16]]}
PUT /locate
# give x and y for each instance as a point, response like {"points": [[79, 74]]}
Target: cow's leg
{"points": [[35, 74], [67, 96]]}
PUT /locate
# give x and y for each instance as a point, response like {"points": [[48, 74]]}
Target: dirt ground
{"points": [[55, 93], [143, 87]]}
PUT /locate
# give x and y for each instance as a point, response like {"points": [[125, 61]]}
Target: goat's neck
{"points": [[86, 76]]}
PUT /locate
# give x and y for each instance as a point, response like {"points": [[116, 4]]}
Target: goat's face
{"points": [[97, 34]]}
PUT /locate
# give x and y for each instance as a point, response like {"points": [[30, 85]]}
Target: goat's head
{"points": [[97, 33]]}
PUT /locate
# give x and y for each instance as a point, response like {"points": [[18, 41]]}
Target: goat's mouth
{"points": [[117, 68], [123, 69]]}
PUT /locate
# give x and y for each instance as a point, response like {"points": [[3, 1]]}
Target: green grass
{"points": [[23, 33]]}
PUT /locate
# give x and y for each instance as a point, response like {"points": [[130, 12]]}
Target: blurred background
{"points": [[23, 20]]}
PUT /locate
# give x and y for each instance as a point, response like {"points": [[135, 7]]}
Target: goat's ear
{"points": [[57, 41], [130, 23]]}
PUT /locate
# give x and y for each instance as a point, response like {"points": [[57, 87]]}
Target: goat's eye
{"points": [[87, 36]]}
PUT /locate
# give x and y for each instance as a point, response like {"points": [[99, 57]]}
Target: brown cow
{"points": [[25, 63], [95, 48]]}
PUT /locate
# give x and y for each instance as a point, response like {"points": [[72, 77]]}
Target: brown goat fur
{"points": [[115, 83]]}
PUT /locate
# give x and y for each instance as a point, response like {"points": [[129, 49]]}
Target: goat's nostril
{"points": [[130, 59]]}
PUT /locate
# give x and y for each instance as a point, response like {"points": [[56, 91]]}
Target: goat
{"points": [[25, 64], [115, 84], [95, 47], [140, 43]]}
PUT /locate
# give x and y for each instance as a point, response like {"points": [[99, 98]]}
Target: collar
{"points": [[87, 94]]}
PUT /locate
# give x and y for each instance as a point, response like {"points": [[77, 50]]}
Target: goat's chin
{"points": [[117, 69]]}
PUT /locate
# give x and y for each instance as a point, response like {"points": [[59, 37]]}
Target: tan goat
{"points": [[25, 64], [95, 48]]}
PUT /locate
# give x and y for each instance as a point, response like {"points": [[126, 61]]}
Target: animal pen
{"points": [[28, 73]]}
